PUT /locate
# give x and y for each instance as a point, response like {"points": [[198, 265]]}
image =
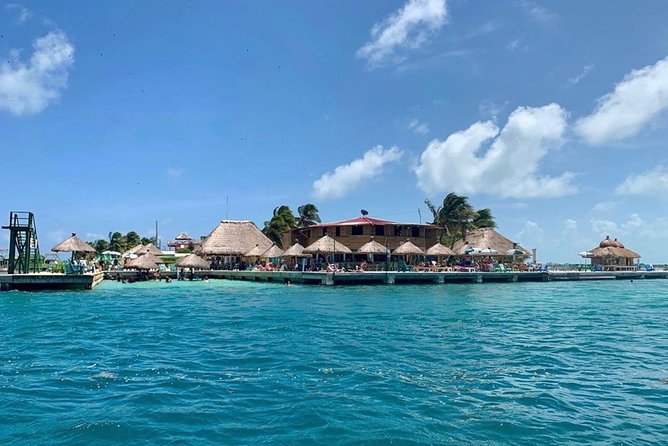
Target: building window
{"points": [[357, 230], [397, 231], [324, 232], [380, 230], [338, 231], [415, 231], [308, 233]]}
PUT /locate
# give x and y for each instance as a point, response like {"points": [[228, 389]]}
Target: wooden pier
{"points": [[49, 281], [395, 277]]}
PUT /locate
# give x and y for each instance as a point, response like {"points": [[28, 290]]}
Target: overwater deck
{"points": [[394, 277], [49, 281]]}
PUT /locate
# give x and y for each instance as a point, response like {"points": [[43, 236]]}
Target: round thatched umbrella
{"points": [[295, 250], [147, 261], [273, 251], [73, 244], [132, 251], [372, 247], [440, 250], [327, 245], [149, 249], [192, 261], [408, 249], [256, 251]]}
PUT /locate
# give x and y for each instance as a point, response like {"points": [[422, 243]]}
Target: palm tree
{"points": [[308, 215], [456, 216], [281, 221]]}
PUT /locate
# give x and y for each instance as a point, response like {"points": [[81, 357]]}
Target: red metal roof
{"points": [[364, 221]]}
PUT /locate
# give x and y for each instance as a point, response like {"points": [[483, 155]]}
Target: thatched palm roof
{"points": [[256, 251], [295, 250], [73, 244], [372, 247], [486, 238], [440, 249], [149, 249], [234, 238], [146, 261], [133, 250], [613, 251], [408, 248], [327, 245], [182, 236], [192, 261], [273, 251]]}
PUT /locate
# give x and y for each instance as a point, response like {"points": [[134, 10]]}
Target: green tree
{"points": [[132, 239], [307, 215], [456, 216], [148, 240], [117, 242], [281, 221], [100, 246]]}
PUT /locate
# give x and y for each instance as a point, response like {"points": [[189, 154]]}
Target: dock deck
{"points": [[49, 281], [394, 277]]}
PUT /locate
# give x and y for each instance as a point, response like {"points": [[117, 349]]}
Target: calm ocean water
{"points": [[243, 363]]}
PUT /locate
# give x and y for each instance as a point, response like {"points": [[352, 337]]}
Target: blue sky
{"points": [[114, 115]]}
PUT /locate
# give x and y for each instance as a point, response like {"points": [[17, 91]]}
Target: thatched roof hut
{"points": [[483, 238], [408, 248], [613, 249], [133, 250], [146, 261], [192, 261], [327, 245], [440, 249], [234, 238], [295, 250], [149, 249], [372, 247], [73, 244]]}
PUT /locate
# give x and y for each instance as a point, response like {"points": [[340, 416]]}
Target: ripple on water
{"points": [[232, 362]]}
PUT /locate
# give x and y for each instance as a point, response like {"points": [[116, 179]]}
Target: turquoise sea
{"points": [[244, 363]]}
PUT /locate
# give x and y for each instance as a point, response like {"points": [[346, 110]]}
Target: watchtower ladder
{"points": [[23, 245]]}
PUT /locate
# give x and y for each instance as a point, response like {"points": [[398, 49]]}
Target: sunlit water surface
{"points": [[243, 363]]}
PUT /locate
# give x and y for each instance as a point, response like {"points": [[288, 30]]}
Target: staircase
{"points": [[24, 254]]}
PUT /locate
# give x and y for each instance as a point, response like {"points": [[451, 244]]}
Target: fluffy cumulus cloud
{"points": [[508, 168], [408, 28], [22, 13], [635, 101], [348, 177], [28, 88], [653, 183]]}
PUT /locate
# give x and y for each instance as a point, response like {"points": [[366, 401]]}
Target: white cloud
{"points": [[536, 12], [636, 100], [609, 227], [348, 177], [418, 127], [570, 226], [23, 13], [584, 73], [603, 206], [491, 109], [653, 183], [531, 234], [509, 168], [29, 88], [175, 172], [408, 28], [604, 227]]}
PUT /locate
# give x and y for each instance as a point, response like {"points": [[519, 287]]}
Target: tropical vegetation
{"points": [[456, 217], [283, 220]]}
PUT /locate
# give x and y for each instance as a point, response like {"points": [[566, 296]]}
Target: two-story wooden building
{"points": [[355, 232]]}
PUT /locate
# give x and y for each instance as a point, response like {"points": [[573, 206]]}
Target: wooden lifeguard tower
{"points": [[23, 253]]}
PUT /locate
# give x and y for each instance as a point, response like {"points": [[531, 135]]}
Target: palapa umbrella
{"points": [[372, 247], [149, 249], [408, 248], [73, 244], [133, 250], [146, 261], [272, 252], [295, 250], [327, 245], [440, 249], [256, 251], [193, 261]]}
